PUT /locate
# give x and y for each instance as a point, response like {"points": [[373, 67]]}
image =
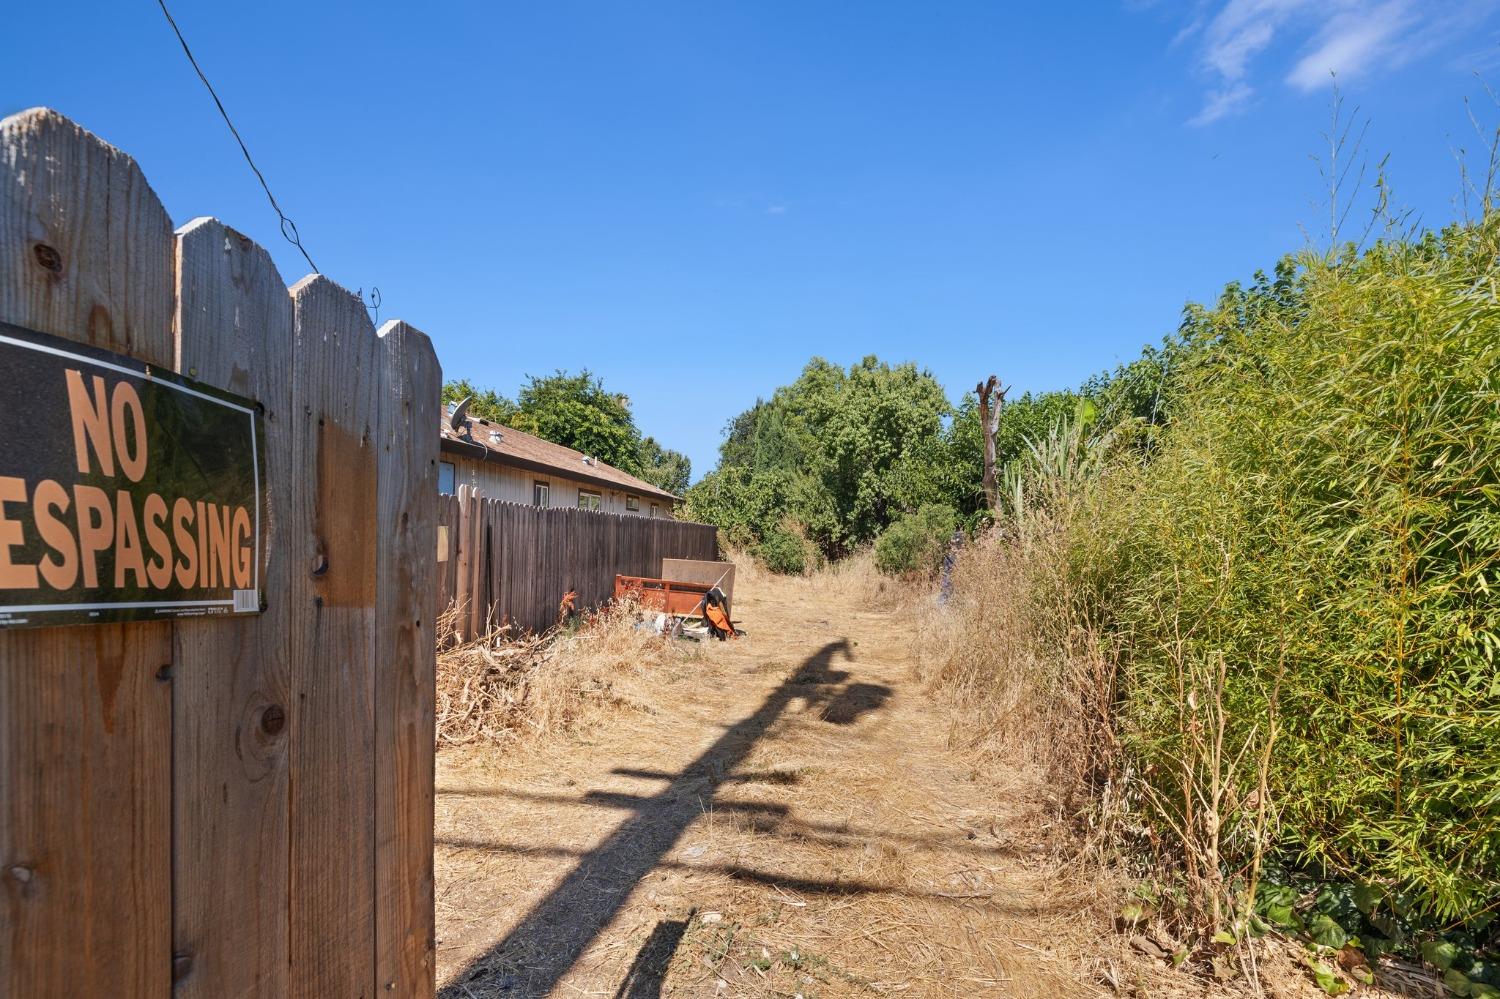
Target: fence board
{"points": [[463, 582], [85, 724], [229, 771], [335, 402], [525, 558], [404, 656], [448, 523]]}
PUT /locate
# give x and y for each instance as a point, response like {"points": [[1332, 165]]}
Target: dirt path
{"points": [[782, 819]]}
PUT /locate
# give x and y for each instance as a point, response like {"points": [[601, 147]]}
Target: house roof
{"points": [[504, 445]]}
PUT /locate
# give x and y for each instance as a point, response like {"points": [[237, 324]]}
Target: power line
{"points": [[288, 227]]}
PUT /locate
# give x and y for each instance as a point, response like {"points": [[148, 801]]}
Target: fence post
{"points": [[85, 712], [463, 586]]}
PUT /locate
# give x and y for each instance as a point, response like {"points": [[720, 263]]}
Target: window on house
{"points": [[447, 477], [653, 509], [633, 503], [587, 500], [540, 493]]}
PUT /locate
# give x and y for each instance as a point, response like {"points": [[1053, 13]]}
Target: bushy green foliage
{"points": [[783, 551], [841, 452], [1324, 514], [916, 542], [846, 453], [1296, 576], [487, 404], [663, 467], [745, 505], [576, 411]]}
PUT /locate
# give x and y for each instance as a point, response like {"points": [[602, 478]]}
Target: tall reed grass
{"points": [[1276, 614]]}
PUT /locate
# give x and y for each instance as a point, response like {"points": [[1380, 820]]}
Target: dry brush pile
{"points": [[504, 687]]}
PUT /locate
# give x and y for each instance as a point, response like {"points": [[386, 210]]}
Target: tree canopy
{"points": [[577, 411], [839, 453], [838, 456]]}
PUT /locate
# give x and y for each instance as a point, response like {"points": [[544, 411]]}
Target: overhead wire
{"points": [[288, 227]]}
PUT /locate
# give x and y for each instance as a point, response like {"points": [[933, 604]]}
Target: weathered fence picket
{"points": [[515, 562], [231, 827], [234, 805], [405, 636], [85, 713]]}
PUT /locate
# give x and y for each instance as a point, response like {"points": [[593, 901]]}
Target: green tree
{"points": [[577, 412], [487, 404], [840, 452], [664, 468], [916, 543]]}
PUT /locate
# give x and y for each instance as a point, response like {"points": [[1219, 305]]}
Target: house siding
{"points": [[504, 482]]}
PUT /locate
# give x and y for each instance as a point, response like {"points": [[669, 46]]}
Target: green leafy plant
{"points": [[784, 551], [917, 542]]}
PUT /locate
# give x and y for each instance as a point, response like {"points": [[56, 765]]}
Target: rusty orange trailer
{"points": [[665, 595]]}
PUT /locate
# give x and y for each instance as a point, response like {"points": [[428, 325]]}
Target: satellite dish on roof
{"points": [[460, 415]]}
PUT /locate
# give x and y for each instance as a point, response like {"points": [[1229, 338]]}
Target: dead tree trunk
{"points": [[991, 401]]}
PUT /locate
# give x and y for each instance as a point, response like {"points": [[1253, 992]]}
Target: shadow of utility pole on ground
{"points": [[647, 972], [556, 932]]}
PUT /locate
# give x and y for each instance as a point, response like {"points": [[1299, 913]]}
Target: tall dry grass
{"points": [[1018, 647], [854, 579]]}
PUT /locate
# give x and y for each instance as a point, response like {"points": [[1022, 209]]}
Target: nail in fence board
{"points": [[230, 731], [85, 722]]}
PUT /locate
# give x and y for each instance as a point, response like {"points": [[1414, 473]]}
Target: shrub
{"points": [[1280, 597], [1310, 560], [783, 551], [916, 542]]}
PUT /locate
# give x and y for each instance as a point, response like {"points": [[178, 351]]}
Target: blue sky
{"points": [[693, 198]]}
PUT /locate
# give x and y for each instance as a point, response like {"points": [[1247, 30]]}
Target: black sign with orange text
{"points": [[127, 492]]}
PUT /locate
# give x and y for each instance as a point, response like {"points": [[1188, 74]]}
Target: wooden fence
{"points": [[236, 805], [509, 563]]}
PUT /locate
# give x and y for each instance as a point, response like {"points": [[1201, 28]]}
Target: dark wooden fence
{"points": [[505, 563]]}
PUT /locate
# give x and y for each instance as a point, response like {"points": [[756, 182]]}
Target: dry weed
{"points": [[1025, 681], [852, 581], [502, 688]]}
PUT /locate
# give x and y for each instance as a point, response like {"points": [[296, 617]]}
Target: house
{"points": [[506, 464]]}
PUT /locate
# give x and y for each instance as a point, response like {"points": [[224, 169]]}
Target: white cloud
{"points": [[1241, 31], [1222, 103], [1344, 37], [1351, 43]]}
